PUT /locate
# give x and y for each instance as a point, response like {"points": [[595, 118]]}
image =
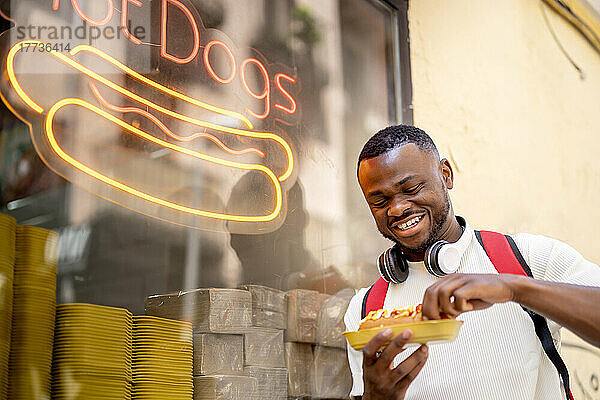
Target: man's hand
{"points": [[457, 293], [382, 380]]}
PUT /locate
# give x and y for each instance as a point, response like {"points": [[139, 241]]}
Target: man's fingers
{"points": [[411, 362], [462, 304], [437, 297], [394, 348], [371, 348], [462, 297], [431, 307], [420, 357], [445, 294], [469, 300]]}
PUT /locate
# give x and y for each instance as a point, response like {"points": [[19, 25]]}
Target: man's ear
{"points": [[446, 173]]}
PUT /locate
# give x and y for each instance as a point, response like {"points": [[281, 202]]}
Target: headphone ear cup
{"points": [[398, 264], [431, 259], [381, 264], [392, 266]]}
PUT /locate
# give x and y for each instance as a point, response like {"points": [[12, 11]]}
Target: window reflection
{"points": [[341, 53]]}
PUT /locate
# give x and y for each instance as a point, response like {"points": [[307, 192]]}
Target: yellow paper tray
{"points": [[438, 331]]}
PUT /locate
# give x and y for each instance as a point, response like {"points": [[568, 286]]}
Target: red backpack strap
{"points": [[375, 297], [507, 259], [503, 253]]}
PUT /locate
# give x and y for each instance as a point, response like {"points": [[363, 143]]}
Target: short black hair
{"points": [[395, 136]]}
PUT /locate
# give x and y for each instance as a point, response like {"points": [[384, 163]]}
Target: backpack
{"points": [[507, 259]]}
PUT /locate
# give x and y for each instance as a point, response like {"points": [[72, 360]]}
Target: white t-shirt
{"points": [[497, 354]]}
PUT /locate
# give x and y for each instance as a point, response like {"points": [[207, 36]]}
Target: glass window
{"points": [[201, 144]]}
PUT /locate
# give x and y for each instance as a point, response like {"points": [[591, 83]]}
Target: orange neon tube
{"points": [[124, 12], [165, 129], [265, 95], [163, 32], [255, 134], [128, 189], [285, 93], [149, 82], [209, 67], [91, 21]]}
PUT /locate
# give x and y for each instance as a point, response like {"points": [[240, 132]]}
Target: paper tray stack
{"points": [[34, 303], [162, 359], [92, 352], [8, 229]]}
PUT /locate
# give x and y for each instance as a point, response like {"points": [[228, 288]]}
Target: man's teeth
{"points": [[409, 224]]}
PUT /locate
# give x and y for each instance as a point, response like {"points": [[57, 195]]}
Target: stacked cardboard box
{"points": [[301, 335], [303, 310], [269, 306], [225, 387], [239, 349], [330, 321], [218, 354], [209, 310], [263, 343], [232, 359], [299, 363], [332, 378], [263, 347], [219, 317], [272, 382]]}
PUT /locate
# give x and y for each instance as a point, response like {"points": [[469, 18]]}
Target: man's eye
{"points": [[378, 203], [414, 189]]}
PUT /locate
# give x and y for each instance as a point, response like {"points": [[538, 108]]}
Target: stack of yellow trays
{"points": [[34, 303], [162, 359], [7, 261], [92, 352]]}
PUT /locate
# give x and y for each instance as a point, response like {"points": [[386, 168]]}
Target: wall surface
{"points": [[505, 105], [518, 123]]}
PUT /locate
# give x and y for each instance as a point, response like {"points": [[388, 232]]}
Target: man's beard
{"points": [[438, 222]]}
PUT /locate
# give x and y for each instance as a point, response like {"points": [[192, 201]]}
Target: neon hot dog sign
{"points": [[172, 143]]}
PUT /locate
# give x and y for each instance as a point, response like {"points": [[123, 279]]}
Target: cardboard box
{"points": [[303, 310], [299, 363], [332, 378], [225, 387], [218, 354], [268, 319], [272, 382], [264, 347], [209, 310], [330, 322], [267, 298]]}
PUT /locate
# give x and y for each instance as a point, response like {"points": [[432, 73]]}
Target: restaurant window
{"points": [[183, 144]]}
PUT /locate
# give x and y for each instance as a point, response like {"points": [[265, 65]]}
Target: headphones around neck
{"points": [[441, 258]]}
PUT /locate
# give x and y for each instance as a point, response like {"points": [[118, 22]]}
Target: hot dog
{"points": [[393, 316]]}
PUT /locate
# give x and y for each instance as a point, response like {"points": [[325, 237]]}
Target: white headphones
{"points": [[441, 258]]}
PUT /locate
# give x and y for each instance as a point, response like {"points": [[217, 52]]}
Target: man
{"points": [[497, 354]]}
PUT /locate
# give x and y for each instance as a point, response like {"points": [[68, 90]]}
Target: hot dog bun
{"points": [[392, 316]]}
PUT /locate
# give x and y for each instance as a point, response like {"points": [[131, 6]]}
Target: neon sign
{"points": [[221, 141]]}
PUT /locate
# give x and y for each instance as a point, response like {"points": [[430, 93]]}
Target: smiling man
{"points": [[497, 354]]}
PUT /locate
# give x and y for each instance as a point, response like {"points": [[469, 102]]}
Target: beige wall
{"points": [[520, 126]]}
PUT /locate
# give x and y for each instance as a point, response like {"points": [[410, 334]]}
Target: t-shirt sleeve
{"points": [[355, 358], [555, 261]]}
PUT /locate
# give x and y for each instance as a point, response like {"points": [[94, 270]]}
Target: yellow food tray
{"points": [[437, 331]]}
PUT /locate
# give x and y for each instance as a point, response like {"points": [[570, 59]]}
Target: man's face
{"points": [[406, 189]]}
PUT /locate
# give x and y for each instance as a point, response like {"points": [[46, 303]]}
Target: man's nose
{"points": [[398, 207]]}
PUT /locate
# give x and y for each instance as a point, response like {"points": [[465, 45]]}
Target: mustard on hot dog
{"points": [[393, 316]]}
